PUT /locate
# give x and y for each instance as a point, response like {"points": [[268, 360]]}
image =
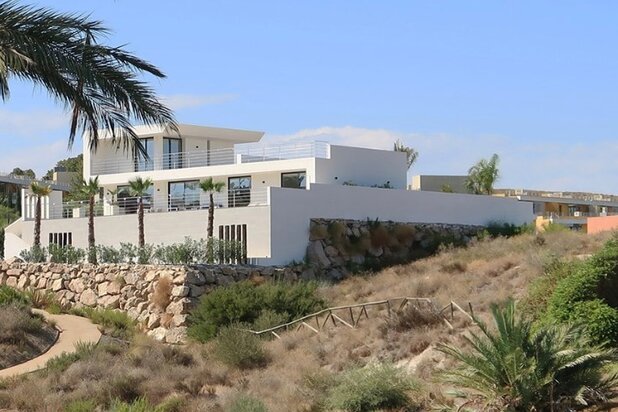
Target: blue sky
{"points": [[534, 81]]}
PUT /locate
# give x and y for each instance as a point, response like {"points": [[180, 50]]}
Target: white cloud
{"points": [[186, 101], [40, 158], [545, 165], [31, 123]]}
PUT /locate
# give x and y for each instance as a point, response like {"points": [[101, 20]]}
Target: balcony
{"points": [[239, 154], [159, 204]]}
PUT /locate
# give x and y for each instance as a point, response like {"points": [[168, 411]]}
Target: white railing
{"points": [[244, 153], [160, 204]]}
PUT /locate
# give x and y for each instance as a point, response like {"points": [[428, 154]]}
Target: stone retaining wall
{"points": [[339, 247], [131, 288]]}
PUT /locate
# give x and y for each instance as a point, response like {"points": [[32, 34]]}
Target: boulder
{"points": [[179, 307], [88, 298], [23, 282], [157, 334], [56, 285], [315, 253], [113, 288], [11, 281], [102, 288], [331, 251], [180, 291], [176, 335]]}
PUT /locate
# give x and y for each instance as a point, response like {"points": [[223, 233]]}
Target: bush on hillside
{"points": [[14, 297], [596, 280], [374, 387], [238, 348], [495, 229], [243, 302], [245, 403]]}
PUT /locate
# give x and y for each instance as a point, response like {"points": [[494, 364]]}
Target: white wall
{"points": [[159, 228], [363, 167], [292, 209]]}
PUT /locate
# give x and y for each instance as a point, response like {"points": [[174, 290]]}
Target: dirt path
{"points": [[73, 329]]}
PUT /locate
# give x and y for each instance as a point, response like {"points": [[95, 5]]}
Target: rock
{"points": [[88, 298], [23, 282], [331, 251], [176, 335], [157, 334], [197, 291], [11, 281], [376, 252], [111, 302], [335, 274], [358, 259], [102, 288], [224, 280], [13, 272], [179, 320], [308, 274], [315, 253], [56, 285], [153, 321], [194, 277], [179, 307], [180, 279], [132, 278], [113, 288], [151, 275], [77, 285], [180, 291], [209, 276], [228, 271]]}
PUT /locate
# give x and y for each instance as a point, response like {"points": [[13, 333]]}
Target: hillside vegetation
{"points": [[384, 363]]}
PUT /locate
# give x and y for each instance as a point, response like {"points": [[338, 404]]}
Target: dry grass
{"points": [[303, 364], [162, 293]]}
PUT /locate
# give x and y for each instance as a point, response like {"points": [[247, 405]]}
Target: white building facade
{"points": [[270, 195]]}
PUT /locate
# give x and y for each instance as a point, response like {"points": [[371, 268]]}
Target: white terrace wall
{"points": [[159, 228], [292, 210]]}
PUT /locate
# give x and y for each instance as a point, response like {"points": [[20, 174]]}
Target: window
{"points": [[239, 191], [295, 180], [184, 195], [142, 162], [172, 153], [128, 203], [61, 239]]}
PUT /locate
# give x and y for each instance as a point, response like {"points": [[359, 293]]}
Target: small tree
{"points": [[483, 175], [90, 189], [411, 154], [211, 187], [39, 191], [139, 188]]}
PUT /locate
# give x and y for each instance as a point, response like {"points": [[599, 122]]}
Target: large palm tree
{"points": [[516, 367], [90, 189], [39, 191], [211, 187], [139, 188], [100, 84], [483, 175]]}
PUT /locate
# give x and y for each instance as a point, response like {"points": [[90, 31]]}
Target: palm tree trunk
{"points": [[140, 223], [92, 254], [37, 223], [211, 216]]}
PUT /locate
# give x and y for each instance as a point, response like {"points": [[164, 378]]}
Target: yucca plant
{"points": [[516, 367]]}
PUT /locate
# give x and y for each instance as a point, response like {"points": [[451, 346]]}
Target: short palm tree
{"points": [[39, 191], [211, 187], [483, 175], [139, 188], [90, 189], [520, 368], [61, 53], [411, 153]]}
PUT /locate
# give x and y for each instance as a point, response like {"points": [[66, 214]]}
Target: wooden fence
{"points": [[351, 315]]}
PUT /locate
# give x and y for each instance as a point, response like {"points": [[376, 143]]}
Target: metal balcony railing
{"points": [[158, 204], [245, 153]]}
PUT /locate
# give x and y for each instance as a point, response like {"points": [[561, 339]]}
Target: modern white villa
{"points": [[271, 193]]}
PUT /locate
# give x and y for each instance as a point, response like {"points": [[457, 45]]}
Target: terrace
{"points": [[239, 154]]}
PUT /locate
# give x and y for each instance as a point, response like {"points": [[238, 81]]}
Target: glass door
{"points": [[172, 153], [145, 162], [239, 191], [184, 195]]}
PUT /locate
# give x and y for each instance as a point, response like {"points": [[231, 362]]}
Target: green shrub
{"points": [[245, 403], [138, 405], [496, 229], [61, 362], [10, 296], [600, 320], [65, 254], [16, 324], [269, 318], [373, 388], [243, 302], [108, 254], [81, 405], [34, 255], [240, 349], [595, 280]]}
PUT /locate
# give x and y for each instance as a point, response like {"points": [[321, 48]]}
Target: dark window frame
{"points": [[239, 197], [294, 173]]}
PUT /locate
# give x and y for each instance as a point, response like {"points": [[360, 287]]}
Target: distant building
{"points": [[439, 183]]}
